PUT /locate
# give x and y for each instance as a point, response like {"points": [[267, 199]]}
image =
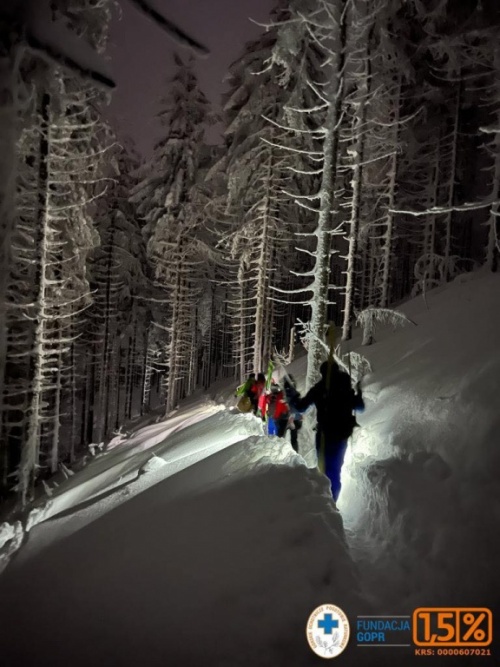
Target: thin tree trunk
{"points": [[118, 387], [54, 453], [104, 368], [85, 399], [30, 452], [173, 353], [320, 285], [7, 189], [388, 237], [372, 274], [132, 366], [72, 403], [242, 326], [91, 397], [146, 384], [429, 264], [354, 224], [263, 275], [452, 181], [493, 247]]}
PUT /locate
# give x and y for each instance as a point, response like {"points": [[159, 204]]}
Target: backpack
{"points": [[271, 405], [335, 408], [244, 404]]}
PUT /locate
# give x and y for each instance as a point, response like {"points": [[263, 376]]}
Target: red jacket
{"points": [[280, 405], [257, 388], [262, 404]]}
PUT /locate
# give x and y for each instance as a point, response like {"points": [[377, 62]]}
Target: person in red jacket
{"points": [[276, 412], [256, 391]]}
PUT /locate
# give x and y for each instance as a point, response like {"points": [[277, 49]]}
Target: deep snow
{"points": [[217, 565], [421, 491], [199, 541]]}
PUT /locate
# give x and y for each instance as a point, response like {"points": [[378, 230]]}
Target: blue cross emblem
{"points": [[328, 624]]}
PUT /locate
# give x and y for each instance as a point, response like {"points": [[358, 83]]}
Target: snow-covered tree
{"points": [[62, 236], [48, 287], [119, 315], [43, 28], [492, 131], [263, 171], [326, 25], [164, 201]]}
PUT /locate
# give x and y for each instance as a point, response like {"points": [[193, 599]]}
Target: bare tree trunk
{"points": [[107, 342], [452, 180], [354, 224], [430, 227], [263, 275], [146, 383], [320, 285], [131, 364], [7, 187], [173, 348], [388, 237], [372, 273], [242, 325], [91, 397], [493, 247], [30, 452], [118, 387], [428, 267], [56, 415], [73, 400]]}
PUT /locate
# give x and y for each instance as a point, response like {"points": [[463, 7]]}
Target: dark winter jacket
{"points": [[334, 406], [292, 396]]}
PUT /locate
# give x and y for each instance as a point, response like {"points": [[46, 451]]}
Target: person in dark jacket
{"points": [[295, 420], [335, 405]]}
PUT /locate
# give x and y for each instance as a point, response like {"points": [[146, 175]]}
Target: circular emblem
{"points": [[328, 631]]}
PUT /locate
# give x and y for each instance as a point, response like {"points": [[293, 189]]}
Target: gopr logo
{"points": [[328, 631]]}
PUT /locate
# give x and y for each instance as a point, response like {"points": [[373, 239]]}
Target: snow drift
{"points": [[219, 565], [421, 495]]}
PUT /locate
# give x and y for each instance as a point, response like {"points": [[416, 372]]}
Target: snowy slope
{"points": [[421, 493], [219, 565], [150, 455], [200, 542]]}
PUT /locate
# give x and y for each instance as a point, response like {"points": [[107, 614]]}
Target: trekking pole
{"points": [[331, 347], [285, 372], [349, 440]]}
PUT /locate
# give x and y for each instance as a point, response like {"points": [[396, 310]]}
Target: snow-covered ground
{"points": [[199, 541], [215, 562], [421, 493]]}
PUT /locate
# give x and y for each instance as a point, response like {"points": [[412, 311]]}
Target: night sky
{"points": [[142, 64]]}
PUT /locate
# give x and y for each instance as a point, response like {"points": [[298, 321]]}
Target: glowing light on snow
{"points": [[351, 500]]}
